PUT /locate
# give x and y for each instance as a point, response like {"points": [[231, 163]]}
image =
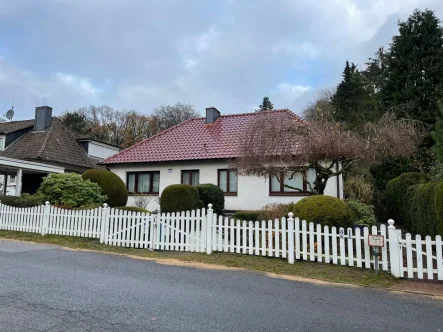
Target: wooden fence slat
{"points": [[237, 237], [429, 262], [326, 237], [439, 256], [311, 242], [409, 262], [270, 245], [304, 237], [297, 238], [250, 238], [366, 247], [277, 237], [342, 246], [263, 238], [358, 246], [418, 248], [244, 237], [350, 247], [319, 244], [284, 228], [232, 232], [257, 238]]}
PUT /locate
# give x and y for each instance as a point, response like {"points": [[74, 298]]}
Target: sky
{"points": [[140, 54]]}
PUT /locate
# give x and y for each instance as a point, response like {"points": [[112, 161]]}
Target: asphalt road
{"points": [[44, 288]]}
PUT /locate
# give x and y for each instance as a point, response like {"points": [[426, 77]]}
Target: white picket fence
{"points": [[203, 231]]}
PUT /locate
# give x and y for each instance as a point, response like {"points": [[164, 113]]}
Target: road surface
{"points": [[45, 288]]}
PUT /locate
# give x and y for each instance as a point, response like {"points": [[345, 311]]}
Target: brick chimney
{"points": [[212, 115], [43, 118]]}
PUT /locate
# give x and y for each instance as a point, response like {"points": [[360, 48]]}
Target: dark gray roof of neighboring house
{"points": [[57, 144], [11, 126]]}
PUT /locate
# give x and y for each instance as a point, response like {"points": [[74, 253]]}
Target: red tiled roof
{"points": [[193, 140]]}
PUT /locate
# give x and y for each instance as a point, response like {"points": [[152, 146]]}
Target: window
{"points": [[227, 181], [191, 177], [2, 142], [277, 187], [143, 182]]}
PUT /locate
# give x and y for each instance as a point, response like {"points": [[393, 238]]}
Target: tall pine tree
{"points": [[437, 135], [266, 105], [414, 67], [353, 102]]}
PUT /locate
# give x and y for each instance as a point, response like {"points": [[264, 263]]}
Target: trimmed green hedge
{"points": [[396, 195], [419, 207], [113, 187], [180, 197], [133, 209], [210, 193], [24, 200], [324, 210], [247, 215]]}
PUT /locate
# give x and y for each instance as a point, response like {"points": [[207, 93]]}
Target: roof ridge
{"points": [[45, 141]]}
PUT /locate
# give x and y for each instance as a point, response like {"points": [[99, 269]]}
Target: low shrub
{"points": [[324, 210], [90, 206], [180, 197], [133, 209], [275, 211], [210, 193], [247, 215], [25, 200], [396, 198], [71, 190], [361, 213], [112, 185]]}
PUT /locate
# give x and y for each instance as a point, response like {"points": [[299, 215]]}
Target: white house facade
{"points": [[185, 154]]}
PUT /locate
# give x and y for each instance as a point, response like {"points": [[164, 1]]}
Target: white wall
{"points": [[100, 150], [253, 192]]}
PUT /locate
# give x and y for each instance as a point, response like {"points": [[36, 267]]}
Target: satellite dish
{"points": [[10, 114]]}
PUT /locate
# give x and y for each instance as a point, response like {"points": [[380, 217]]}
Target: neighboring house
{"points": [[198, 151], [32, 149]]}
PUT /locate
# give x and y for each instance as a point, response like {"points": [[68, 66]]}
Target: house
{"points": [[198, 151], [32, 149]]}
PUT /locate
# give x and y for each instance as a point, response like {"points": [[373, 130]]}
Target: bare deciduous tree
{"points": [[280, 143], [168, 116], [321, 108]]}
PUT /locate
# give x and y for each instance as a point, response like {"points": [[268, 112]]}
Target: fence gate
{"points": [[185, 231], [128, 229]]}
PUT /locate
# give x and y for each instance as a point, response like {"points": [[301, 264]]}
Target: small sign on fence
{"points": [[376, 240]]}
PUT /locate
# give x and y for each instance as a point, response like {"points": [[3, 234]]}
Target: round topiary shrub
{"points": [[210, 193], [180, 197], [324, 210], [70, 190], [396, 198], [113, 187], [361, 213]]}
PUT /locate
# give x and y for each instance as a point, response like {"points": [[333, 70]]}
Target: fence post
{"points": [[209, 217], [290, 228], [45, 218], [104, 223], [394, 246]]}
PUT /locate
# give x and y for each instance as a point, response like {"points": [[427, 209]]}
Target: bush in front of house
{"points": [[180, 197], [361, 213], [396, 195], [423, 209], [23, 201], [275, 211], [70, 190], [112, 185], [247, 215], [132, 209], [211, 194], [324, 210]]}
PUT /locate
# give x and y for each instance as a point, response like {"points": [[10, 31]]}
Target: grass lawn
{"points": [[312, 270]]}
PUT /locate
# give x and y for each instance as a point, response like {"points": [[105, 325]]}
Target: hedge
{"points": [[210, 193], [324, 210], [395, 195], [25, 200], [247, 215], [133, 209], [112, 185], [180, 197]]}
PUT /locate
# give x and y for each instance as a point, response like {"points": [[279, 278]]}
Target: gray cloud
{"points": [[141, 54]]}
